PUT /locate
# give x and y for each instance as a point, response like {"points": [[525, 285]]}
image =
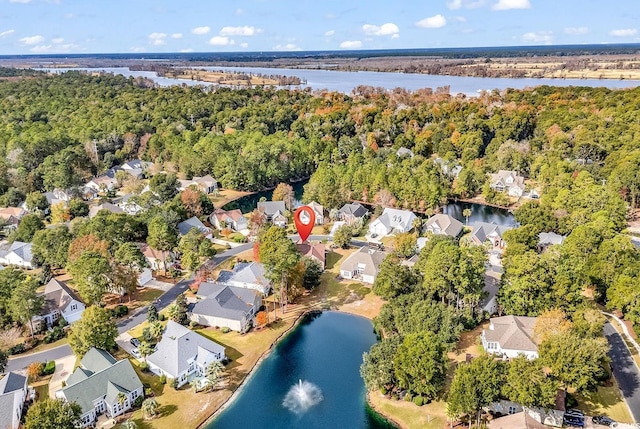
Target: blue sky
{"points": [[108, 26]]}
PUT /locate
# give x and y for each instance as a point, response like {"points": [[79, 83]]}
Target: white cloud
{"points": [[387, 29], [7, 33], [540, 37], [57, 40], [20, 1], [220, 41], [466, 4], [239, 31], [244, 45], [436, 21], [395, 36], [576, 31], [176, 36], [351, 44], [330, 33], [32, 40], [239, 11], [287, 47], [57, 48], [201, 30], [460, 19], [623, 32], [41, 48], [157, 39], [454, 4], [512, 4]]}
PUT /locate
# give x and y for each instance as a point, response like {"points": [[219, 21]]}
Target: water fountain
{"points": [[301, 397]]}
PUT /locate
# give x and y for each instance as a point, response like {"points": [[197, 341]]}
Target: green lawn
{"points": [[606, 400], [408, 415]]}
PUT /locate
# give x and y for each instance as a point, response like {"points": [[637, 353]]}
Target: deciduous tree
{"points": [[94, 329], [53, 414]]}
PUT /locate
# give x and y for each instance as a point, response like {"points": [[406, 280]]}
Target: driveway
{"points": [[625, 370], [157, 284], [64, 368]]}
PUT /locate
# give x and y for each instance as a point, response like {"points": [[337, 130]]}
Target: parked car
{"points": [[136, 354], [135, 342], [604, 421], [574, 418]]}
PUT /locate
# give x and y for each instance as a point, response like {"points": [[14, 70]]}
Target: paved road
{"points": [[21, 362], [624, 369]]}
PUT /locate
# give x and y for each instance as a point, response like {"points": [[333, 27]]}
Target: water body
{"points": [[479, 213], [324, 351], [343, 81], [248, 203]]}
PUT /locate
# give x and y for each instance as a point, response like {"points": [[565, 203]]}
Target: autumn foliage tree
{"points": [[262, 319], [87, 243], [190, 198]]}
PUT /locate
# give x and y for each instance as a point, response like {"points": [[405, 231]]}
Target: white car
{"points": [[136, 354]]}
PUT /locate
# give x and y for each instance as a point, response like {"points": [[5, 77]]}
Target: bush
{"points": [[162, 317], [408, 397], [121, 310], [163, 379], [384, 390], [174, 383], [49, 368], [225, 329], [62, 322], [418, 400], [17, 349], [54, 335], [137, 403], [144, 367]]}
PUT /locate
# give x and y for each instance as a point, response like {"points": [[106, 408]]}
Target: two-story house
{"points": [[13, 392], [232, 219], [391, 221], [508, 181], [60, 302], [274, 212], [511, 336], [248, 275]]}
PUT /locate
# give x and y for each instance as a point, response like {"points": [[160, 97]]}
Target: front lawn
{"points": [[408, 415], [605, 401]]}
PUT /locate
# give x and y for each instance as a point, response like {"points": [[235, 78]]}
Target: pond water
{"points": [[248, 203], [479, 213], [310, 380]]}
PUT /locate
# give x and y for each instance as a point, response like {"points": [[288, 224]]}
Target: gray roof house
{"points": [[225, 306], [111, 208], [352, 212], [403, 151], [546, 239], [489, 232], [443, 224], [17, 253], [508, 181], [60, 302], [362, 265], [13, 392], [248, 275], [194, 222], [102, 385], [392, 221], [274, 212], [136, 167], [511, 336], [183, 354]]}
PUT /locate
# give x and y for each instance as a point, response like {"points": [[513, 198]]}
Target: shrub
{"points": [[163, 379], [225, 329], [193, 324], [49, 368], [54, 335], [418, 400], [120, 311], [174, 383], [17, 349], [148, 392], [408, 397], [162, 317], [138, 402], [62, 322], [144, 367], [384, 390]]}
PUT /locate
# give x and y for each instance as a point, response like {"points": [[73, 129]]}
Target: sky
{"points": [[147, 26]]}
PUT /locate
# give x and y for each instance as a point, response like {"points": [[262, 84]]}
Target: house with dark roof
{"points": [[274, 212], [183, 355], [225, 306], [546, 239], [111, 208], [232, 219], [60, 302], [17, 253], [363, 265], [315, 251], [510, 336], [13, 392], [248, 275], [492, 233], [352, 212], [193, 222], [102, 385], [443, 224]]}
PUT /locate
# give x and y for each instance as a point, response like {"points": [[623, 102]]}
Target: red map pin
{"points": [[304, 218]]}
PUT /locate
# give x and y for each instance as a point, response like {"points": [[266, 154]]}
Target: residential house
{"points": [[318, 210], [443, 224], [490, 301], [392, 221], [411, 262], [12, 216], [60, 301], [13, 393], [157, 259], [314, 251], [336, 226], [249, 275], [352, 212], [102, 183], [206, 184], [136, 167], [194, 222], [451, 169], [145, 276], [489, 232], [111, 208], [225, 306], [102, 385], [546, 239], [183, 355], [510, 336], [274, 212], [17, 253], [403, 151], [363, 265], [508, 181], [127, 205], [513, 415], [232, 219], [65, 195]]}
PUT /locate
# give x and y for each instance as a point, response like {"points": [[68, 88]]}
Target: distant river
{"points": [[343, 81]]}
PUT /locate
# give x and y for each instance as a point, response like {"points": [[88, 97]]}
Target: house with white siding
{"points": [[13, 392], [60, 302], [363, 265], [511, 336], [225, 306]]}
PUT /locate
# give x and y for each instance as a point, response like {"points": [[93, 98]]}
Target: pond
{"points": [[248, 203], [310, 380], [479, 213]]}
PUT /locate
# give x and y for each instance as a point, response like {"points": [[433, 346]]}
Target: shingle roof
{"points": [[189, 224], [369, 257], [481, 230], [19, 248], [270, 208], [315, 250], [57, 295], [112, 208], [6, 411], [395, 218], [512, 332], [223, 214], [354, 209], [550, 238], [178, 346], [225, 301], [245, 272], [444, 224], [96, 360], [12, 382]]}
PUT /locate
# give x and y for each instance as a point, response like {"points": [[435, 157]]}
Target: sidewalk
{"points": [[64, 368]]}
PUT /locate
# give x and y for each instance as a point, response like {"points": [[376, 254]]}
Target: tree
{"points": [[466, 213], [377, 369], [405, 244], [33, 371], [87, 243], [262, 319], [60, 213], [26, 303], [342, 237], [130, 255], [178, 311], [91, 276], [551, 322], [50, 413], [284, 192], [191, 201], [145, 349], [421, 364], [155, 330], [152, 313], [3, 360], [51, 246], [162, 236], [94, 329], [312, 272], [78, 208], [280, 258], [164, 186], [540, 217], [36, 202], [123, 279], [194, 245], [528, 385], [150, 408], [393, 279], [213, 373], [29, 225], [129, 424]]}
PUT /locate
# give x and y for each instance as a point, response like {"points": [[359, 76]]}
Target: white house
{"points": [[492, 233], [136, 167], [129, 206], [318, 210], [102, 183], [510, 336], [145, 276], [13, 392], [102, 385], [17, 253], [232, 219], [363, 265], [206, 184], [225, 306], [157, 259], [183, 354], [274, 212], [392, 221], [248, 275], [443, 224], [508, 181], [60, 302]]}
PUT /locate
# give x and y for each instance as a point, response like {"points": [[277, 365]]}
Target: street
{"points": [[624, 369]]}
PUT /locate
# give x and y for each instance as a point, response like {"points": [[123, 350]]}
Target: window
{"points": [[74, 307], [512, 409]]}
